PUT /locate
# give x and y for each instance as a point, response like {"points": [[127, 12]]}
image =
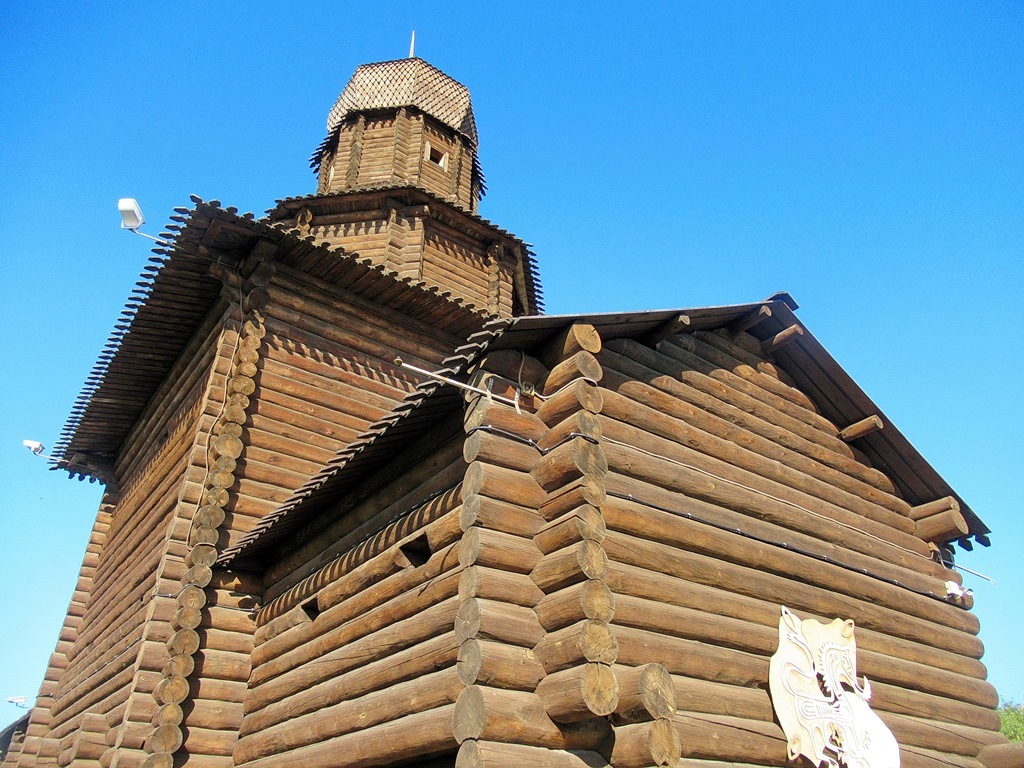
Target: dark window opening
{"points": [[311, 609], [417, 550]]}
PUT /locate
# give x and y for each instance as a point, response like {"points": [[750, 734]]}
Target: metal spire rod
{"points": [[412, 45]]}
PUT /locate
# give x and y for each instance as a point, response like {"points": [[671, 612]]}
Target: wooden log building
{"points": [[312, 553]]}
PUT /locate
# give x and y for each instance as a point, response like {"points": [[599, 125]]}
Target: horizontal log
{"points": [[590, 599], [575, 563], [645, 693], [645, 744], [428, 604], [585, 641], [579, 693], [719, 737], [495, 714], [666, 588], [942, 527], [502, 484], [493, 448], [650, 373], [366, 672], [494, 549], [498, 665], [579, 423], [1002, 755], [709, 697], [502, 622], [576, 396], [775, 564], [945, 504], [689, 658], [584, 523], [493, 754], [515, 365], [499, 516], [420, 735], [568, 462], [484, 412], [587, 491], [502, 586], [953, 738], [354, 714], [731, 582], [581, 365]]}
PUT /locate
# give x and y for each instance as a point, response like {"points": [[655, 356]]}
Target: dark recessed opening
{"points": [[417, 550], [311, 609], [437, 157]]}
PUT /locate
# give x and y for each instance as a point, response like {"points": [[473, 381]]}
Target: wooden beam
{"points": [[861, 428], [782, 338]]}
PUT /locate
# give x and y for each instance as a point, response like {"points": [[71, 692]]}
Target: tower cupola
{"points": [[402, 121]]}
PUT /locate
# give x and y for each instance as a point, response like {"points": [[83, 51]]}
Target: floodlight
{"points": [[131, 214]]}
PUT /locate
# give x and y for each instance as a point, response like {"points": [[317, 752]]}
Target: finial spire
{"points": [[412, 45]]}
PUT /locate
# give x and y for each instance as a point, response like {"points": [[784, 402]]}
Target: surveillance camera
{"points": [[36, 447]]}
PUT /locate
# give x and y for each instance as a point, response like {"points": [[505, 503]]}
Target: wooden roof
{"points": [[805, 359], [175, 293], [449, 211]]}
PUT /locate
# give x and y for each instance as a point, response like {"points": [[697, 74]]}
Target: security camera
{"points": [[37, 448]]}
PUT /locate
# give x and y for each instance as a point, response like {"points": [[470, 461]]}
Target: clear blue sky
{"points": [[865, 157]]}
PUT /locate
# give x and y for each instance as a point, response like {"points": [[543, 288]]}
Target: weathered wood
{"points": [[492, 754], [719, 737], [569, 462], [494, 549], [267, 706], [576, 396], [585, 641], [499, 516], [578, 337], [514, 365], [580, 423], [500, 416], [686, 592], [579, 692], [582, 365], [503, 586], [584, 523], [418, 736], [492, 448], [942, 527], [586, 491], [862, 428], [645, 744], [502, 484], [1002, 755], [489, 620], [666, 417], [782, 338], [590, 599], [495, 714], [498, 665], [945, 504], [577, 562], [822, 589], [352, 715], [645, 693], [751, 319]]}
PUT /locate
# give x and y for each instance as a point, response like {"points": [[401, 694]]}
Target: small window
{"points": [[437, 157]]}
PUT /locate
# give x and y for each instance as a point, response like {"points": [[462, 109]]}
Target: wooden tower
{"points": [[316, 551]]}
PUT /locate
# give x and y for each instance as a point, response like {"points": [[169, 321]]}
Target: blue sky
{"points": [[865, 157]]}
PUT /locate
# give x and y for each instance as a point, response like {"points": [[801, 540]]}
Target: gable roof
{"points": [[815, 371]]}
